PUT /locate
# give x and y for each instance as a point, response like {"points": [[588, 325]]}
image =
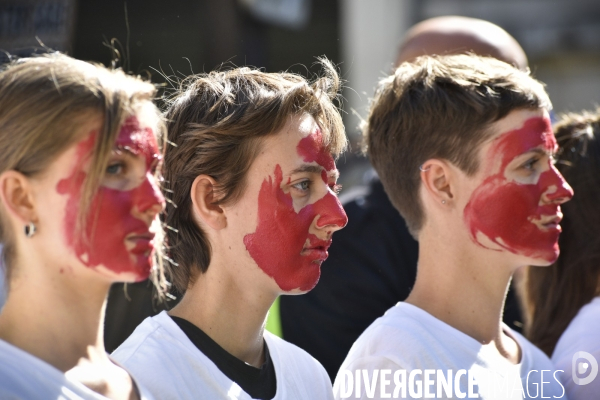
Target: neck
{"points": [[465, 289], [230, 310], [55, 316]]}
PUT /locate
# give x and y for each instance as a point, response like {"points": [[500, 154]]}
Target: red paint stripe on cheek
{"points": [[503, 213], [278, 242]]}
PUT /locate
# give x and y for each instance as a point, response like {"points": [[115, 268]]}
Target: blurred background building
{"points": [[179, 37]]}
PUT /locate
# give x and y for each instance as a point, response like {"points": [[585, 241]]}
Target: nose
{"points": [[148, 198], [558, 191], [331, 213]]}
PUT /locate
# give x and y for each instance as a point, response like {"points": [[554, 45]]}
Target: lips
{"points": [[548, 219], [143, 242], [316, 249]]}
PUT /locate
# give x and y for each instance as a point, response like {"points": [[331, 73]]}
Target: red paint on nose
{"points": [[553, 180], [148, 195], [330, 212]]}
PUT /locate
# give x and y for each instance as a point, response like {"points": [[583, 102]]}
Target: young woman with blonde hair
{"points": [[79, 201]]}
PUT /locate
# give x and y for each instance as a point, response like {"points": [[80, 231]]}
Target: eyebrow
{"points": [[539, 151], [315, 169]]}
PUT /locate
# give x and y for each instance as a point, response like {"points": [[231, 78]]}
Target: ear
{"points": [[203, 197], [17, 196], [436, 177]]}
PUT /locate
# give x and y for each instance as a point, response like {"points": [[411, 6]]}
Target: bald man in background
{"points": [[372, 263]]}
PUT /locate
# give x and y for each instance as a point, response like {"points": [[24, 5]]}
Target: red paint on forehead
{"points": [[109, 220], [311, 149], [534, 133], [138, 140], [503, 210], [281, 235]]}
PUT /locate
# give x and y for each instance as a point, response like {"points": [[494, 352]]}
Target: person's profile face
{"points": [[118, 240], [292, 205], [517, 205]]}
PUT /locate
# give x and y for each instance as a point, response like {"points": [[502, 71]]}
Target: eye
{"points": [[336, 188], [115, 168], [302, 186], [530, 164]]}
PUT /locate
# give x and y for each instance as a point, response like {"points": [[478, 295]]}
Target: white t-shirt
{"points": [[582, 335], [408, 353], [26, 377], [172, 367]]}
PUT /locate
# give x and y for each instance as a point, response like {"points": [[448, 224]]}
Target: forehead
{"points": [[519, 132], [301, 134]]}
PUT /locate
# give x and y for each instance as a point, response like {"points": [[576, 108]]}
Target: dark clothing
{"points": [[372, 265], [259, 383]]}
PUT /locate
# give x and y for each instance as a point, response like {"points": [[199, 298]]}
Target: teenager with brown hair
{"points": [[563, 301], [463, 146], [372, 264], [251, 181], [79, 204]]}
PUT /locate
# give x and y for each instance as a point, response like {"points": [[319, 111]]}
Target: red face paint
{"points": [[282, 245], [114, 238], [311, 149], [505, 210]]}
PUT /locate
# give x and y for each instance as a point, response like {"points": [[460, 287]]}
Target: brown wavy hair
{"points": [[215, 126], [554, 295]]}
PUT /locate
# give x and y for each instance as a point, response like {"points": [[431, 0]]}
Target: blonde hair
{"points": [[43, 102]]}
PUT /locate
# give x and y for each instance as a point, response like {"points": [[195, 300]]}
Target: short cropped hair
{"points": [[216, 124], [440, 107]]}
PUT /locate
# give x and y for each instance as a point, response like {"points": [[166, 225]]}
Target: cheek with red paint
{"points": [[282, 245], [503, 212]]}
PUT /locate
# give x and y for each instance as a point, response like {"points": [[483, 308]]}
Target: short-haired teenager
{"points": [[251, 181], [464, 148]]}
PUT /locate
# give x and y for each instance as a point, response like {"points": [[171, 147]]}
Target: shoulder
{"points": [[532, 358], [283, 352], [299, 375], [24, 376], [147, 336], [162, 359], [403, 336], [582, 334]]}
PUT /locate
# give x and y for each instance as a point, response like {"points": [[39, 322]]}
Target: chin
{"points": [[303, 281], [126, 273], [543, 258]]}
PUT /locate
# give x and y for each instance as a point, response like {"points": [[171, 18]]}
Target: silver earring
{"points": [[30, 229], [443, 201], [424, 169]]}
